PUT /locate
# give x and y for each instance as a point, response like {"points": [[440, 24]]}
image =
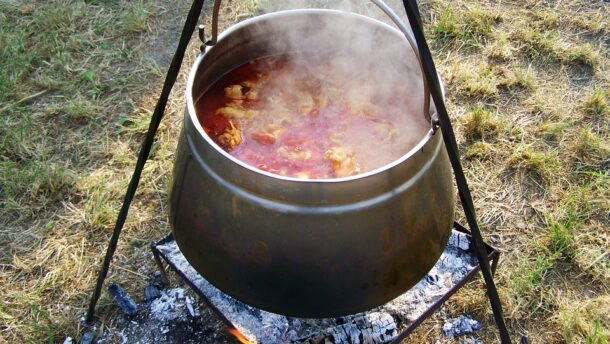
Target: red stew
{"points": [[303, 117]]}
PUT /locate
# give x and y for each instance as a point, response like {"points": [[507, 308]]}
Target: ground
{"points": [[528, 90]]}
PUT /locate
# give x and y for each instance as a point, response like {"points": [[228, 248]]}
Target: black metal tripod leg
{"points": [[170, 79], [452, 150]]}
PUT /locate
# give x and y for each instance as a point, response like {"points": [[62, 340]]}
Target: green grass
{"points": [[501, 49], [63, 83], [547, 46], [540, 164], [583, 324], [481, 124], [595, 23], [553, 131], [536, 43], [561, 234], [527, 280], [480, 82], [548, 106], [469, 26], [43, 327], [591, 149], [541, 69], [13, 54], [582, 54], [546, 18], [596, 105], [136, 16], [484, 81], [479, 150]]}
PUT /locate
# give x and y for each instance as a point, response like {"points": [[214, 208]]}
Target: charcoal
{"points": [[157, 280], [460, 326], [122, 299], [87, 338], [151, 292]]}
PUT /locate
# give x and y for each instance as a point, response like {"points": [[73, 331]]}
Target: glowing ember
{"points": [[242, 339]]}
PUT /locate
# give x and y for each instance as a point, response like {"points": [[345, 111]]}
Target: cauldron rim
{"points": [[235, 27]]}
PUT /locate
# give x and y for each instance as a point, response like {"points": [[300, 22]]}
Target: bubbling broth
{"points": [[309, 117]]}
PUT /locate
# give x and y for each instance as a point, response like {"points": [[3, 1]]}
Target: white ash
{"points": [[364, 328], [173, 317], [379, 325], [460, 326], [257, 325], [169, 306]]}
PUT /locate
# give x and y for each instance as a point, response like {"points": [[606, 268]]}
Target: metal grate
{"points": [[389, 323]]}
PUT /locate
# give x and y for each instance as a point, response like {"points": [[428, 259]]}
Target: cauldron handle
{"points": [[379, 3]]}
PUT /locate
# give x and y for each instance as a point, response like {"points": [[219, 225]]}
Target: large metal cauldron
{"points": [[308, 248]]}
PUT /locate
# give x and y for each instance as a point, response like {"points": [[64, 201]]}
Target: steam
{"points": [[363, 7], [381, 66], [346, 57]]}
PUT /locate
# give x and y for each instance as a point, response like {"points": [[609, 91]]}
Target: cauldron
{"points": [[309, 248]]}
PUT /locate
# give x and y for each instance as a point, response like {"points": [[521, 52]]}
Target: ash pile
{"points": [[172, 315], [380, 325]]}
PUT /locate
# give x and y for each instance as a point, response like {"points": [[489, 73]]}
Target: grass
{"points": [[481, 82], [537, 43], [540, 164], [136, 16], [479, 150], [553, 131], [547, 46], [545, 18], [591, 149], [585, 323], [486, 81], [592, 24], [596, 105], [548, 105], [481, 124], [561, 233], [527, 86], [528, 277], [500, 49], [63, 161], [469, 27], [582, 54]]}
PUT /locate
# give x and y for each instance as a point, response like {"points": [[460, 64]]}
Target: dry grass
{"points": [[531, 104], [66, 153], [528, 87]]}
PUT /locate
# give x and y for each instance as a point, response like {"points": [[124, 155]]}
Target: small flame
{"points": [[242, 339]]}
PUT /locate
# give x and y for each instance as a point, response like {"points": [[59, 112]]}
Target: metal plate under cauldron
{"points": [[389, 323]]}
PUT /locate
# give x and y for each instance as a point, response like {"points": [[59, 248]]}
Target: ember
{"points": [[240, 337]]}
